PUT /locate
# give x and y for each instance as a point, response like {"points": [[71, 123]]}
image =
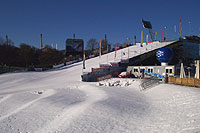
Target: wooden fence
{"points": [[185, 81]]}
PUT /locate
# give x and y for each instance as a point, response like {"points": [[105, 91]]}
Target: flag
{"points": [[147, 39], [141, 39], [100, 49], [116, 50], [162, 34], [180, 28], [156, 36], [84, 60], [146, 24]]}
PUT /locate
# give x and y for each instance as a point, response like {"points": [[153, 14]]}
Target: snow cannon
{"points": [[164, 55]]}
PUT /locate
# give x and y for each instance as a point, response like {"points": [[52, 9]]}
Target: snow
{"points": [[116, 82], [58, 101]]}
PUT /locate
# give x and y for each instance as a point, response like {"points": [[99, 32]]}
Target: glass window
{"points": [[170, 70], [167, 71]]}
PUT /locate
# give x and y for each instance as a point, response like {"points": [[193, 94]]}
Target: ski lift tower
{"points": [[147, 25]]}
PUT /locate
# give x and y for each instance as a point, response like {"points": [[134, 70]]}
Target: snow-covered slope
{"points": [[124, 53], [57, 101]]}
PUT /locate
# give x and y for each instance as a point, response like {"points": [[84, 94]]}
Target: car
{"points": [[124, 75]]}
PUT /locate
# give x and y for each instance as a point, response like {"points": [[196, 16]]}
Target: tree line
{"points": [[92, 47], [28, 56]]}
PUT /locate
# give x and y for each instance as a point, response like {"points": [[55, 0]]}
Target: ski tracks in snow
{"points": [[5, 98], [70, 113], [46, 94]]}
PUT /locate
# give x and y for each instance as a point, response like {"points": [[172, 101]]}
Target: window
{"points": [[150, 70], [170, 70], [167, 71]]}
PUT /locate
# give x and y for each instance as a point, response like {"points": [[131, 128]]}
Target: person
{"points": [[131, 74]]}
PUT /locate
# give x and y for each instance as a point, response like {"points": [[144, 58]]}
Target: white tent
{"points": [[182, 72], [197, 69]]}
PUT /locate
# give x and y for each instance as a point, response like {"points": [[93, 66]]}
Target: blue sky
{"points": [[57, 20]]}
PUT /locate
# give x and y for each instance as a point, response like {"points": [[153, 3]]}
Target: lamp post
{"points": [[165, 32], [190, 27]]}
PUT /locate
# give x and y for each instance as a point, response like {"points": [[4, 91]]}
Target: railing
{"points": [[149, 83]]}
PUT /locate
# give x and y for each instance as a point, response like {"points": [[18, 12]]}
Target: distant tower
{"points": [[134, 40], [74, 36], [105, 41], [41, 46], [56, 46], [6, 39]]}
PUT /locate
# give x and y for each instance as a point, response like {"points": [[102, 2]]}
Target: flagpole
{"points": [[190, 27], [99, 51], [141, 43], [162, 34], [165, 33], [180, 28], [107, 58], [115, 52], [83, 61], [156, 36]]}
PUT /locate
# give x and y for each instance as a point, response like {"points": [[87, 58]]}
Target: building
{"points": [[157, 71], [74, 47], [191, 47]]}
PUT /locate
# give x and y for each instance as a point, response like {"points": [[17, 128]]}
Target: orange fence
{"points": [[185, 81]]}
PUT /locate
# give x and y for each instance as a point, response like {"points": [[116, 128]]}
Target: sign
{"points": [[104, 65], [124, 61], [104, 77], [146, 24], [74, 47]]}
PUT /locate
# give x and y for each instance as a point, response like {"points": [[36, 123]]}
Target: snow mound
{"points": [[116, 82]]}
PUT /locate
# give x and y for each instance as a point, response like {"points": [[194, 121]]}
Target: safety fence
{"points": [[10, 69], [185, 81], [148, 83]]}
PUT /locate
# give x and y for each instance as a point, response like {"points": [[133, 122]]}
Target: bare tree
{"points": [[1, 41], [92, 44]]}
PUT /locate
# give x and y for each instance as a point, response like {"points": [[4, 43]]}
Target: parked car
{"points": [[124, 75]]}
